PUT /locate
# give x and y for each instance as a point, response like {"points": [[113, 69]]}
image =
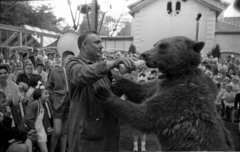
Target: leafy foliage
{"points": [[125, 31], [132, 49], [216, 51], [109, 25], [23, 13]]}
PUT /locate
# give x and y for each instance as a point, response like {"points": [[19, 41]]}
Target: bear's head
{"points": [[174, 56]]}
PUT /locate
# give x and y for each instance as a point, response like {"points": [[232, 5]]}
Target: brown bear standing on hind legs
{"points": [[179, 108]]}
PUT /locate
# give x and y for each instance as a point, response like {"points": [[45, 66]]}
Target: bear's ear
{"points": [[198, 46]]}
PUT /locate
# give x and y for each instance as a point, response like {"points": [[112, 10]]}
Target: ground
{"points": [[126, 139]]}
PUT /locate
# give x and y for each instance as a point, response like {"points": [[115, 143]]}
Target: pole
{"points": [[197, 25], [197, 30], [94, 15]]}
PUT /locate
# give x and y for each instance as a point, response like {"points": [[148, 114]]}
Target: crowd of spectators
{"points": [[226, 73], [25, 79]]}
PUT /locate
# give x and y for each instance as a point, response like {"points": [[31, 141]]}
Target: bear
{"points": [[178, 108]]}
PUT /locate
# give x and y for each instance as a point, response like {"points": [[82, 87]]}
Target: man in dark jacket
{"points": [[90, 126], [58, 90]]}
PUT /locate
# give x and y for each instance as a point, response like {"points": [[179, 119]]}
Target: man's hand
{"points": [[33, 135], [128, 62], [24, 85], [1, 116]]}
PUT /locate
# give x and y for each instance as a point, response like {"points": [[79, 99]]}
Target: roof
{"points": [[226, 27], [217, 5], [49, 36], [36, 29], [232, 20]]}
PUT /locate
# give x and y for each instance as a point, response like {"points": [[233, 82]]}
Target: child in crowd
{"points": [[33, 82], [235, 85], [142, 78], [228, 98], [218, 102], [35, 118]]}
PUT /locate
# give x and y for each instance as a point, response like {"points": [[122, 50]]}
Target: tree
{"points": [[84, 26], [23, 13], [216, 51], [125, 31], [132, 49], [106, 27], [109, 26]]}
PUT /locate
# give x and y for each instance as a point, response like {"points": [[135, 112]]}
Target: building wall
{"points": [[228, 42], [112, 44], [152, 23]]}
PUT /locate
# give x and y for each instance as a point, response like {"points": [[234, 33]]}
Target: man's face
{"points": [[39, 69], [14, 57], [50, 57], [3, 75], [229, 89], [28, 69], [93, 46]]}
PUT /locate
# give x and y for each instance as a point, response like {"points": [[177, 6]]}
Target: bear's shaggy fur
{"points": [[180, 108]]}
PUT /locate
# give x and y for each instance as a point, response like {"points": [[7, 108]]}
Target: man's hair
{"points": [[5, 66], [40, 64], [33, 80], [66, 53], [83, 36], [24, 55]]}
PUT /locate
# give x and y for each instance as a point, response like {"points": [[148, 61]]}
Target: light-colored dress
{"points": [[42, 136]]}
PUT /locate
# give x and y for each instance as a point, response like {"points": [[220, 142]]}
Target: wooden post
{"points": [[94, 15], [0, 37], [41, 41], [20, 38]]}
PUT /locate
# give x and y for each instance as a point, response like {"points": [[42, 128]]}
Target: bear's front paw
{"points": [[118, 82], [101, 94]]}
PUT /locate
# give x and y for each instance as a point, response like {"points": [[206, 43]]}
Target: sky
{"points": [[61, 8]]}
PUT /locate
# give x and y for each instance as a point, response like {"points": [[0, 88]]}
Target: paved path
{"points": [[126, 139]]}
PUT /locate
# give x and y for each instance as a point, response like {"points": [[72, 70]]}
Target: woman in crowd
{"points": [[11, 108]]}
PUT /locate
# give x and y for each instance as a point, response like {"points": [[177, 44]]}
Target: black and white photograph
{"points": [[119, 75]]}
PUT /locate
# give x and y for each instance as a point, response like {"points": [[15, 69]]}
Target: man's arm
{"points": [[19, 79], [50, 83], [81, 74]]}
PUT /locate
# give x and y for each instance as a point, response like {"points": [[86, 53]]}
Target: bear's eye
{"points": [[163, 46]]}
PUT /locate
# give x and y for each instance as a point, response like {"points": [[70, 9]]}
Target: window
{"points": [[178, 8], [169, 8]]}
